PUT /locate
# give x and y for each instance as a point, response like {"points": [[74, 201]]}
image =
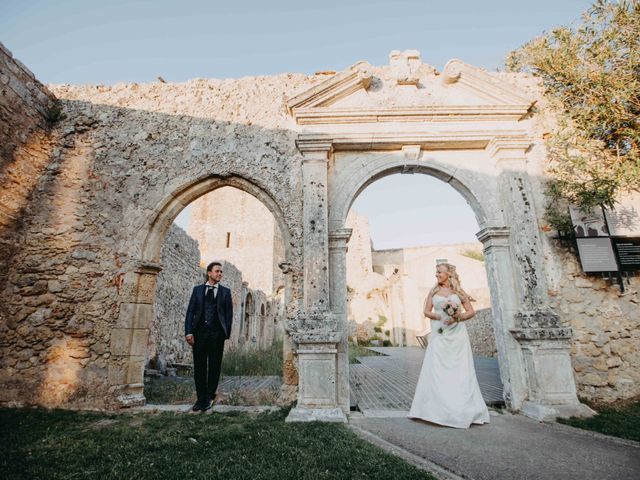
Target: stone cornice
{"points": [[331, 90], [509, 147], [469, 140], [426, 113], [483, 84], [314, 106]]}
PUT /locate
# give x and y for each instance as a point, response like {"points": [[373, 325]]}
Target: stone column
{"points": [[544, 342], [128, 344], [315, 330], [338, 273], [504, 306]]}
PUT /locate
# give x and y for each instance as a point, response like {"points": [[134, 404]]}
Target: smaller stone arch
{"points": [[129, 337]]}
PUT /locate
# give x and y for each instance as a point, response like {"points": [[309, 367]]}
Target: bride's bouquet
{"points": [[450, 309]]}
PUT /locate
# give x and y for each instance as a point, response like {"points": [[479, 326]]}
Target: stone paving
{"points": [[383, 385], [510, 447]]}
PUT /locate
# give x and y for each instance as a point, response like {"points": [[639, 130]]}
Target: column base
{"points": [[549, 413], [130, 395], [301, 414]]}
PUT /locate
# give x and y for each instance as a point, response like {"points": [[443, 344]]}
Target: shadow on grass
{"points": [[86, 445]]}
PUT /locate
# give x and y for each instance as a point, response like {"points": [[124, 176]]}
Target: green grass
{"points": [[237, 362], [621, 420], [474, 254], [62, 444], [169, 390], [356, 350]]}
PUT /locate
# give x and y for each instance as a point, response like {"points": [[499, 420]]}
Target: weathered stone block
{"points": [[129, 341]]}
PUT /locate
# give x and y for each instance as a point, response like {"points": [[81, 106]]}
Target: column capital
{"points": [[338, 238], [509, 152], [494, 236], [315, 149]]}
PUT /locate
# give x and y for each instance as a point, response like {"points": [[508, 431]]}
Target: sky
{"points": [[106, 42]]}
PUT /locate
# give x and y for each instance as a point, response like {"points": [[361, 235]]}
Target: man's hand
{"points": [[189, 339]]}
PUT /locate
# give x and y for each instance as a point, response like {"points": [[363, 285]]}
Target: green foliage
{"points": [[377, 329], [590, 75], [474, 254], [238, 362], [387, 333], [387, 343], [621, 420], [381, 321], [58, 444]]}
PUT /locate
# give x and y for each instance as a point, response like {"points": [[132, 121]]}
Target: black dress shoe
{"points": [[196, 407], [207, 406]]}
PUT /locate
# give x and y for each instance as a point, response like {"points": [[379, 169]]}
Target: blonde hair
{"points": [[454, 283]]}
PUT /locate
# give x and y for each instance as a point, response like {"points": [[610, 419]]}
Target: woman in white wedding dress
{"points": [[447, 392]]}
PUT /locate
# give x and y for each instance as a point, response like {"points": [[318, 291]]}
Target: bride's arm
{"points": [[469, 312], [428, 306]]}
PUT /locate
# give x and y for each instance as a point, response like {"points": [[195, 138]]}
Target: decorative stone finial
{"points": [[405, 65]]}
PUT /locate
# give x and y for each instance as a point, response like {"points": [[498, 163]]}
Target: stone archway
{"points": [[129, 337], [347, 186], [463, 126]]}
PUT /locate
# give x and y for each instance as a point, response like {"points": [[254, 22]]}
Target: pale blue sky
{"points": [[104, 42]]}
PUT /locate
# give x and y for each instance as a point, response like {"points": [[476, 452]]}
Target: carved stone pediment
{"points": [[409, 91]]}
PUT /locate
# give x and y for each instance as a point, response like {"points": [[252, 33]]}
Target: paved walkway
{"points": [[510, 447], [384, 385]]}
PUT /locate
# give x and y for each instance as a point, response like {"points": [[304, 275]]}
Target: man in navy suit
{"points": [[206, 327]]}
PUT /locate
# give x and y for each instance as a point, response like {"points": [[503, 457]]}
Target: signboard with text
{"points": [[596, 254], [628, 253]]}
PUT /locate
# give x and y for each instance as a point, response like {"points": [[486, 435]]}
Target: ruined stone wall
{"points": [[25, 146], [123, 151], [181, 271], [481, 333]]}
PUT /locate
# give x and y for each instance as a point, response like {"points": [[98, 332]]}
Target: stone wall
{"points": [[481, 333], [605, 347], [122, 153], [25, 146], [181, 271], [605, 350]]}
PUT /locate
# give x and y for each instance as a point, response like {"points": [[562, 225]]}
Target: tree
{"points": [[591, 75]]}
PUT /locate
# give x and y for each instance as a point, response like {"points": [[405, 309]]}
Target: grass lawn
{"points": [[356, 350], [238, 362], [620, 420], [59, 444]]}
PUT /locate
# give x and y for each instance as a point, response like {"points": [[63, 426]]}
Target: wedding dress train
{"points": [[448, 392]]}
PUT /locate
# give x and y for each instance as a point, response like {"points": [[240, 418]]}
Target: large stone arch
{"points": [[129, 337], [480, 193], [351, 183]]}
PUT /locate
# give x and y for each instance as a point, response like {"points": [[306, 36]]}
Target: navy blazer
{"points": [[195, 311]]}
